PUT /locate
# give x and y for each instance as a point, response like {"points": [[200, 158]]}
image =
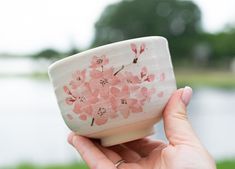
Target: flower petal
{"points": [[142, 48], [115, 91], [125, 91], [77, 108], [134, 48], [124, 109], [83, 117], [69, 100], [95, 73], [100, 121], [66, 90], [136, 109]]}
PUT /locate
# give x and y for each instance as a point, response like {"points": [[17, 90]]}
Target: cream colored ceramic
{"points": [[115, 92]]}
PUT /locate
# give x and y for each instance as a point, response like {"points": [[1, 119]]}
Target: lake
{"points": [[32, 130]]}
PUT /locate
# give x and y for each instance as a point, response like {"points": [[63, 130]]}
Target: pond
{"points": [[33, 131]]}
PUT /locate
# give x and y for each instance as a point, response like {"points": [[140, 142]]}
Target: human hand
{"points": [[184, 150]]}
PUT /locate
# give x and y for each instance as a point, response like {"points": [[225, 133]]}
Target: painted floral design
{"points": [[137, 51], [102, 92]]}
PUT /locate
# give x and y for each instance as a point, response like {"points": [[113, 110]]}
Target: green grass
{"points": [[55, 166], [198, 78], [227, 164]]}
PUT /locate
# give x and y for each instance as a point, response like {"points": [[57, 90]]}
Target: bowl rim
{"points": [[60, 62]]}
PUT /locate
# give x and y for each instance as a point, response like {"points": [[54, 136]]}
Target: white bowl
{"points": [[115, 92]]}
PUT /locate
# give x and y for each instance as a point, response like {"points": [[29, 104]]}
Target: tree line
{"points": [[178, 21]]}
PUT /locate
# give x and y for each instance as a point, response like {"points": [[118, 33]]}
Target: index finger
{"points": [[89, 152]]}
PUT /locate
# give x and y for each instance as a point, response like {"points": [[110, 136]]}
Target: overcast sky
{"points": [[31, 25]]}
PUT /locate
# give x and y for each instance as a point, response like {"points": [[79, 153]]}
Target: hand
{"points": [[184, 150]]}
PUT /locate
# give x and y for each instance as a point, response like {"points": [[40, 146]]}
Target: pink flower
{"points": [[136, 51], [99, 61], [102, 80], [71, 98], [145, 94], [83, 103], [78, 78], [132, 81], [102, 111], [134, 48], [145, 76], [122, 102]]}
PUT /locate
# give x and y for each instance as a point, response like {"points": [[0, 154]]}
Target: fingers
{"points": [[119, 152], [126, 153], [111, 155], [144, 146], [177, 127], [90, 153]]}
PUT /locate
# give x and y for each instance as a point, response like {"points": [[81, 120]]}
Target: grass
{"points": [[220, 79], [227, 164], [55, 166]]}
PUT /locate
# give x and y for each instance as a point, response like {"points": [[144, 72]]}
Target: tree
{"points": [[135, 18], [47, 53]]}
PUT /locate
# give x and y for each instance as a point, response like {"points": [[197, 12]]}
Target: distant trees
{"points": [[135, 18], [178, 21], [55, 54], [47, 53]]}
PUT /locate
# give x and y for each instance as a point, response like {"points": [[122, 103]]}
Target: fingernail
{"points": [[186, 95]]}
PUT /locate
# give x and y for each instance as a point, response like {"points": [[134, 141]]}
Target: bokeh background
{"points": [[35, 33]]}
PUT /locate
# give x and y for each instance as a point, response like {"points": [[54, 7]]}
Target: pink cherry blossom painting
{"points": [[102, 92]]}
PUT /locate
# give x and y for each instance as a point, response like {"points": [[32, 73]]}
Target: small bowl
{"points": [[117, 92]]}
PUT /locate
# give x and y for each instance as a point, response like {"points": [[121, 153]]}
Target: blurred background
{"points": [[34, 33]]}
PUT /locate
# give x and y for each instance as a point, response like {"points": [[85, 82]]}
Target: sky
{"points": [[28, 26]]}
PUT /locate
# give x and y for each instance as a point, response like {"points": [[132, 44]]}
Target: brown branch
{"points": [[92, 122], [118, 70]]}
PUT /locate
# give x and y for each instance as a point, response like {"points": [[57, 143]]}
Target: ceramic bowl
{"points": [[117, 92]]}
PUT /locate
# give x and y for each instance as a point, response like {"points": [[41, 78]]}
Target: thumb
{"points": [[178, 130]]}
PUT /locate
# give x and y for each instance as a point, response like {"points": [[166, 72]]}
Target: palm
{"points": [[146, 154], [184, 150]]}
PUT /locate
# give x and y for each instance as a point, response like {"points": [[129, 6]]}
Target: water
{"points": [[12, 66], [32, 130], [211, 112]]}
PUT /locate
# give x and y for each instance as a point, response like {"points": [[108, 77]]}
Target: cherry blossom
{"points": [[101, 92], [102, 81], [145, 94], [78, 78], [145, 76], [129, 79], [123, 103], [102, 112], [99, 61], [137, 52]]}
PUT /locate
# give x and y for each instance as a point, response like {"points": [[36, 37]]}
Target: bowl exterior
{"points": [[114, 85]]}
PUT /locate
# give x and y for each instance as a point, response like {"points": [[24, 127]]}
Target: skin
{"points": [[183, 150]]}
